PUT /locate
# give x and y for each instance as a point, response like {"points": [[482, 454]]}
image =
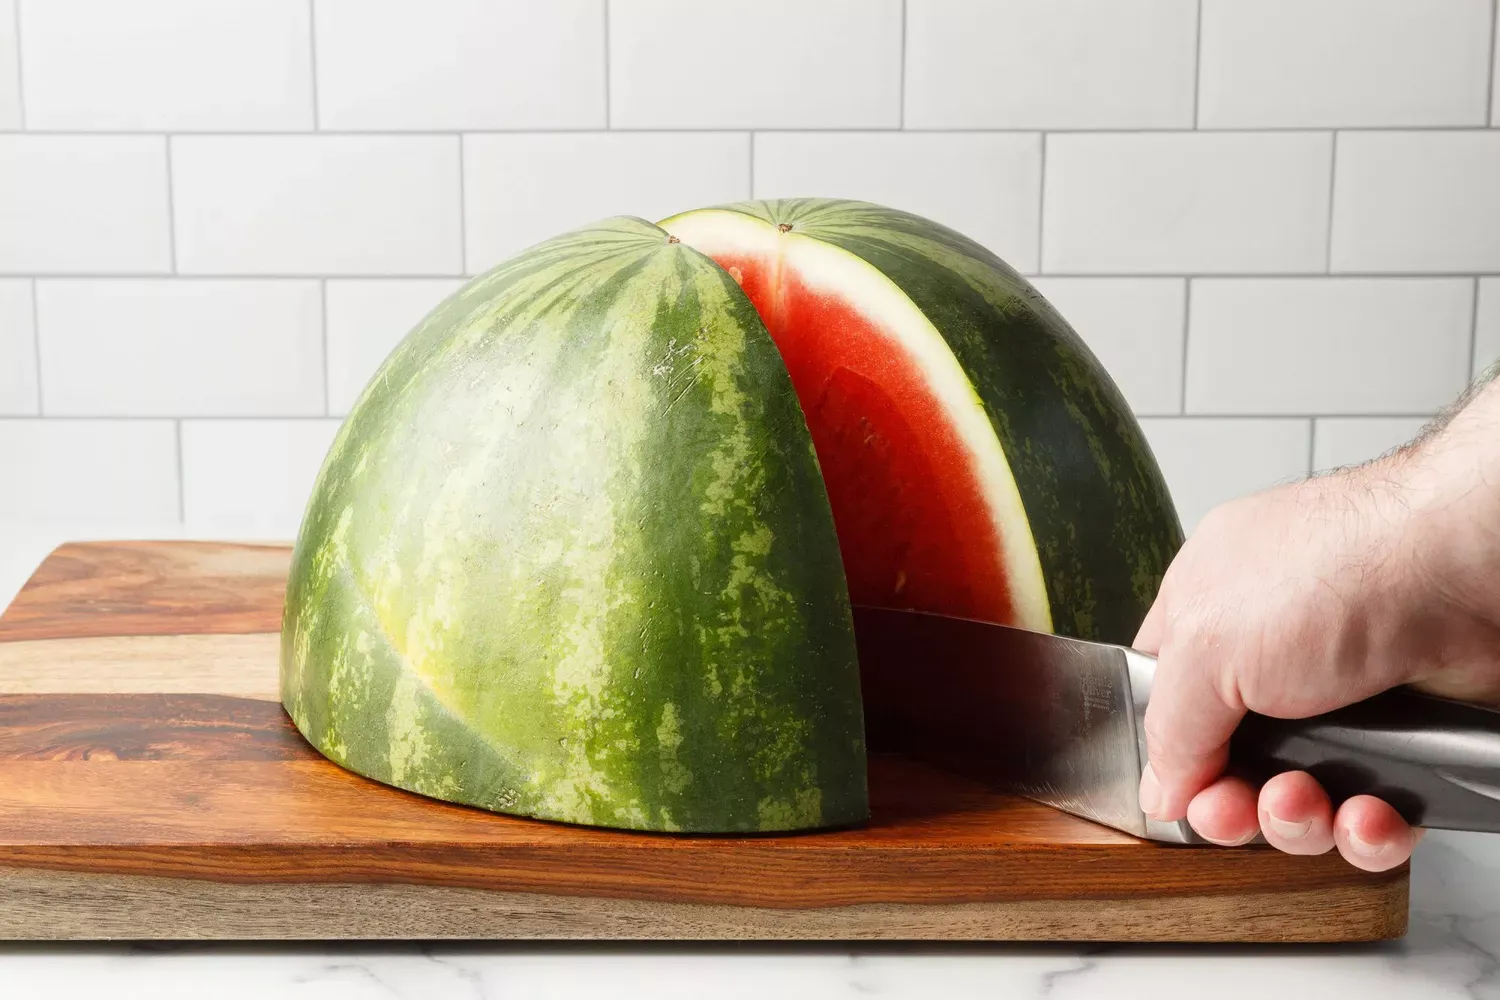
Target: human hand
{"points": [[1308, 597]]}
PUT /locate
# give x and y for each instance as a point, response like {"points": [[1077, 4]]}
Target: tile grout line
{"points": [[1187, 316], [238, 276], [752, 163], [181, 484], [20, 76], [327, 375], [1312, 444], [317, 417], [1473, 332], [463, 208], [36, 340], [1273, 275], [608, 111], [1197, 63], [1333, 172], [428, 133], [901, 83], [1188, 418], [1041, 208], [312, 58], [1494, 83], [442, 275], [171, 211], [284, 417]]}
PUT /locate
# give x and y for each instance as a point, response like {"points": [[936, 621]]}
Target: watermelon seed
{"points": [[784, 227]]}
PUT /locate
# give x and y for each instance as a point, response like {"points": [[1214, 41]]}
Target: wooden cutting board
{"points": [[152, 787]]}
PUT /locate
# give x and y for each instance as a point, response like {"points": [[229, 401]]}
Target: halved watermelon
{"points": [[979, 460], [584, 548]]}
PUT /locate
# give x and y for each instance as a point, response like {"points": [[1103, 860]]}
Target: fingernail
{"points": [[1364, 848], [1229, 843], [1286, 828], [1150, 792]]}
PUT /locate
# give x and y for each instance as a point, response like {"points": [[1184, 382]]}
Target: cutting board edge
{"points": [[37, 904], [782, 882]]}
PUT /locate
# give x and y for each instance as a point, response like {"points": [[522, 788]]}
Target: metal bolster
{"points": [[1141, 669]]}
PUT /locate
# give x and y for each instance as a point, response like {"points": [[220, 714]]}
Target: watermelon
{"points": [[979, 459], [569, 556], [584, 549]]}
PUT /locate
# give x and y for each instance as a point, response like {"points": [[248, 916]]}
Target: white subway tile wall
{"points": [[367, 317], [755, 63], [1207, 461], [1173, 202], [18, 368], [10, 68], [1487, 325], [1135, 327], [84, 203], [338, 204], [1340, 441], [1042, 64], [155, 347], [1276, 223], [167, 65], [459, 64], [1344, 63], [250, 478], [522, 188], [1417, 201], [87, 470], [1495, 73], [1288, 345]]}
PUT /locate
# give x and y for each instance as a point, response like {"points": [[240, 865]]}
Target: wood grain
{"points": [[138, 801], [250, 801], [241, 665], [182, 728], [60, 905], [151, 588]]}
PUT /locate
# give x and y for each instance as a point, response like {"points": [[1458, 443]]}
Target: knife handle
{"points": [[1437, 762]]}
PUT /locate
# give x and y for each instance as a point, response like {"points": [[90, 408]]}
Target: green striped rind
{"points": [[1102, 519], [570, 556]]}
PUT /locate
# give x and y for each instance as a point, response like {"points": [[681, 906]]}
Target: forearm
{"points": [[1441, 495]]}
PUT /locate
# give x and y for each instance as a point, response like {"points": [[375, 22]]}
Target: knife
{"points": [[1059, 720]]}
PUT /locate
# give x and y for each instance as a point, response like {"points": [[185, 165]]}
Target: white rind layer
{"points": [[832, 271]]}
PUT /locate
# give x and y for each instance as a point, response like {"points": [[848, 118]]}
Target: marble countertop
{"points": [[1452, 950]]}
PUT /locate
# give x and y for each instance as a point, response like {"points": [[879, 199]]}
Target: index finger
{"points": [[1188, 726]]}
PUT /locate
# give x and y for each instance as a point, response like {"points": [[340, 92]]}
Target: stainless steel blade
{"points": [[1048, 717]]}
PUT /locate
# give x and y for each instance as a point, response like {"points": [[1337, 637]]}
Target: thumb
{"points": [[1148, 637], [1188, 726]]}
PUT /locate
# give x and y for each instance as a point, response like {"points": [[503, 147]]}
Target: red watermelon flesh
{"points": [[912, 519], [917, 522]]}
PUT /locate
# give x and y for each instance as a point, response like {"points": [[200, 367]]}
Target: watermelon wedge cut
{"points": [[979, 460]]}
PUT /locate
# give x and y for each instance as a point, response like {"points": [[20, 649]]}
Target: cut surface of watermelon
{"points": [[924, 503]]}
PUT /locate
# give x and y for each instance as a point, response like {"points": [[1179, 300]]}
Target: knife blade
{"points": [[1060, 720]]}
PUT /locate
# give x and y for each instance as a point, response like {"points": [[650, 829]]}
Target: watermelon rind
{"points": [[570, 556], [1095, 513]]}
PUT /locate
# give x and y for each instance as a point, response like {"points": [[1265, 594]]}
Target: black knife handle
{"points": [[1436, 761]]}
